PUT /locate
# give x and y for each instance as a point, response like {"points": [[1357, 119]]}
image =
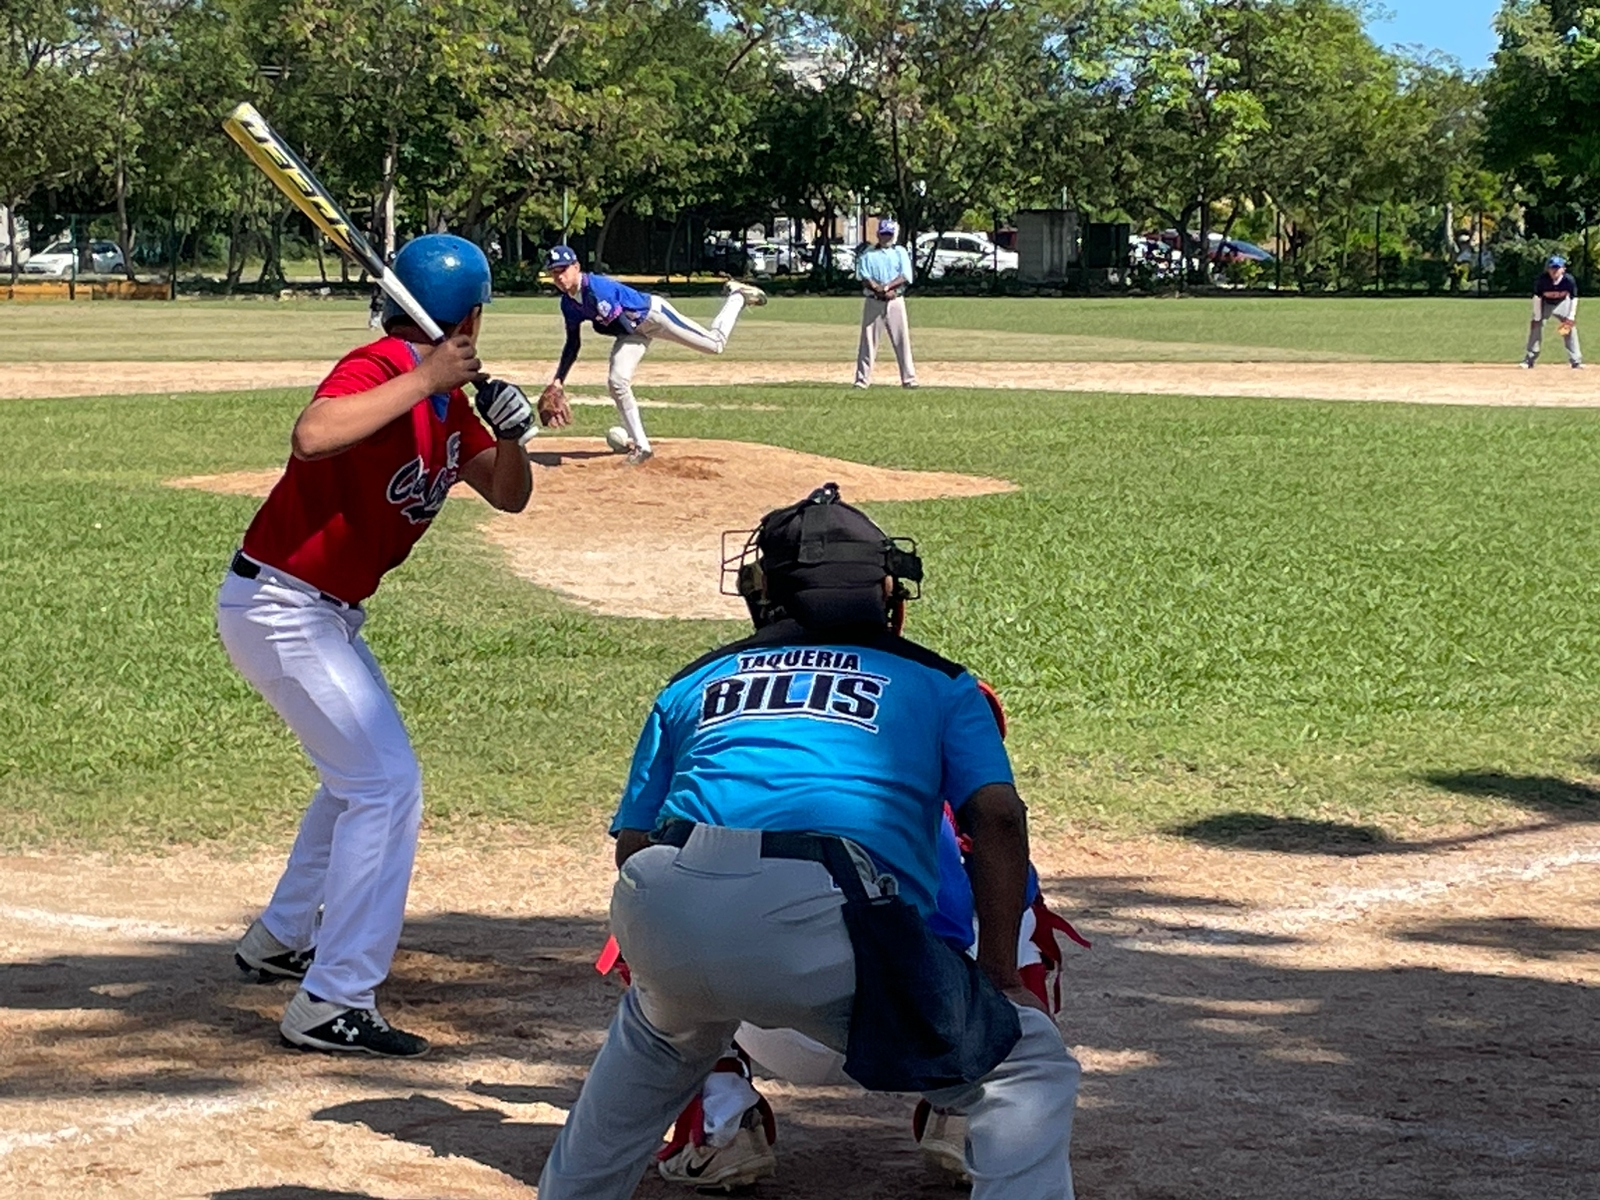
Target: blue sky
{"points": [[1463, 28]]}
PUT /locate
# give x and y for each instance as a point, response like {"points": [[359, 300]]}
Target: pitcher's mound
{"points": [[645, 541]]}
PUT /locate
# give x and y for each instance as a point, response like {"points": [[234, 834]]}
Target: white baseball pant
{"points": [[879, 317], [357, 840], [715, 934], [671, 325], [1543, 310]]}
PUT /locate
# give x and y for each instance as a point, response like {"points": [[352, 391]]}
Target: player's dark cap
{"points": [[887, 228], [560, 256], [823, 563], [1555, 260]]}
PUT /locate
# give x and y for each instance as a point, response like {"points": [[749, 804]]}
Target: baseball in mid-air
{"points": [[617, 438]]}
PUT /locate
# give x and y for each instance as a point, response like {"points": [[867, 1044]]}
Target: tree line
{"points": [[517, 122]]}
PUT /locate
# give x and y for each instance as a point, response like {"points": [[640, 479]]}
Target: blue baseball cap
{"points": [[887, 227], [560, 256], [1555, 260]]}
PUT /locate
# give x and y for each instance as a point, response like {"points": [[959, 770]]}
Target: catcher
{"points": [[1555, 294], [633, 319], [778, 850], [726, 1136]]}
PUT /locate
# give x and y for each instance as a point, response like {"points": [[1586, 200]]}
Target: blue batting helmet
{"points": [[448, 275], [560, 256], [1555, 260]]}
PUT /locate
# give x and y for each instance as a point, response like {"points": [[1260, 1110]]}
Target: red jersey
{"points": [[341, 522]]}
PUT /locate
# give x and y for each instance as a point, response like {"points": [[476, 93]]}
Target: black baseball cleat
{"points": [[1577, 366], [313, 1024], [268, 960]]}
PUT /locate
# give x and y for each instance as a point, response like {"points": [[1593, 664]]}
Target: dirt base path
{"points": [[1251, 1024], [1553, 385]]}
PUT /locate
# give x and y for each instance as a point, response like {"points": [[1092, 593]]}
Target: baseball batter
{"points": [[778, 851], [633, 319], [1555, 294], [375, 453]]}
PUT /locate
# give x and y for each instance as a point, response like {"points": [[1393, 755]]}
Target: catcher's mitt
{"points": [[554, 412], [1567, 327]]}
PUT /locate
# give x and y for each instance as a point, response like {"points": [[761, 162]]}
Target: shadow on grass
{"points": [[1557, 798], [1526, 937], [1285, 835], [1558, 801]]}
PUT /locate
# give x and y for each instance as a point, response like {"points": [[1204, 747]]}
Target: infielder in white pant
{"points": [[1555, 296], [375, 454], [885, 272], [634, 319]]}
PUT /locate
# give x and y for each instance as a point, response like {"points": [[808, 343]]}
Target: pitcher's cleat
{"points": [[312, 1024], [753, 296], [267, 959], [637, 457]]}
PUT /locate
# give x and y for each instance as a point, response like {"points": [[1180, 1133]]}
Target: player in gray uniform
{"points": [[777, 843], [1555, 295]]}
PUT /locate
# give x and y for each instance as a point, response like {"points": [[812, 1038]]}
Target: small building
{"points": [[1047, 244]]}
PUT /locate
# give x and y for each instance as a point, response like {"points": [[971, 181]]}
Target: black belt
{"points": [[806, 847], [248, 568]]}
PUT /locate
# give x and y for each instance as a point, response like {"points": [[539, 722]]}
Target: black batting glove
{"points": [[505, 409]]}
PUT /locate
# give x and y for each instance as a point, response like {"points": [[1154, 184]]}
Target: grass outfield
{"points": [[801, 329], [1382, 617]]}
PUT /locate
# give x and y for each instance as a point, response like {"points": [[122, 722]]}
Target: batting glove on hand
{"points": [[505, 409]]}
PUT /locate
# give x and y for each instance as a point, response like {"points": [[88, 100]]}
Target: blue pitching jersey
{"points": [[863, 737], [614, 308]]}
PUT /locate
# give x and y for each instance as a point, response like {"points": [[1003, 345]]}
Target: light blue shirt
{"points": [[863, 739], [881, 264]]}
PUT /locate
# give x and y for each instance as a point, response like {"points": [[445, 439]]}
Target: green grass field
{"points": [[800, 329], [1196, 610]]}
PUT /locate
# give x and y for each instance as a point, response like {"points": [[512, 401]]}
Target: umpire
{"points": [[777, 843]]}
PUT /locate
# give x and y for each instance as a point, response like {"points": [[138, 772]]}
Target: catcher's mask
{"points": [[821, 562]]}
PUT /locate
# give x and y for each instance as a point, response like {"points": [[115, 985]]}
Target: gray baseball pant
{"points": [[1544, 311], [668, 323], [715, 934], [878, 317]]}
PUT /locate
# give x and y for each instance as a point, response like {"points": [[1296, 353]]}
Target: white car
{"points": [[57, 259], [958, 252]]}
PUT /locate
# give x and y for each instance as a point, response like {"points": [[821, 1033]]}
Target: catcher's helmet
{"points": [[822, 562], [448, 275]]}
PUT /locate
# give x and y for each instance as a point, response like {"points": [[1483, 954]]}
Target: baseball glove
{"points": [[554, 411], [1567, 327]]}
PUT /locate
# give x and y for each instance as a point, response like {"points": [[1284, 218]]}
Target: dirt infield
{"points": [[1413, 383], [1411, 1022], [644, 541]]}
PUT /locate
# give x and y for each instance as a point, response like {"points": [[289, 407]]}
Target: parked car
{"points": [[1237, 250], [769, 258], [843, 257], [958, 252], [57, 259]]}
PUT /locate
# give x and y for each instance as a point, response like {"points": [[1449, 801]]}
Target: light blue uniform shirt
{"points": [[881, 264], [785, 731]]}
